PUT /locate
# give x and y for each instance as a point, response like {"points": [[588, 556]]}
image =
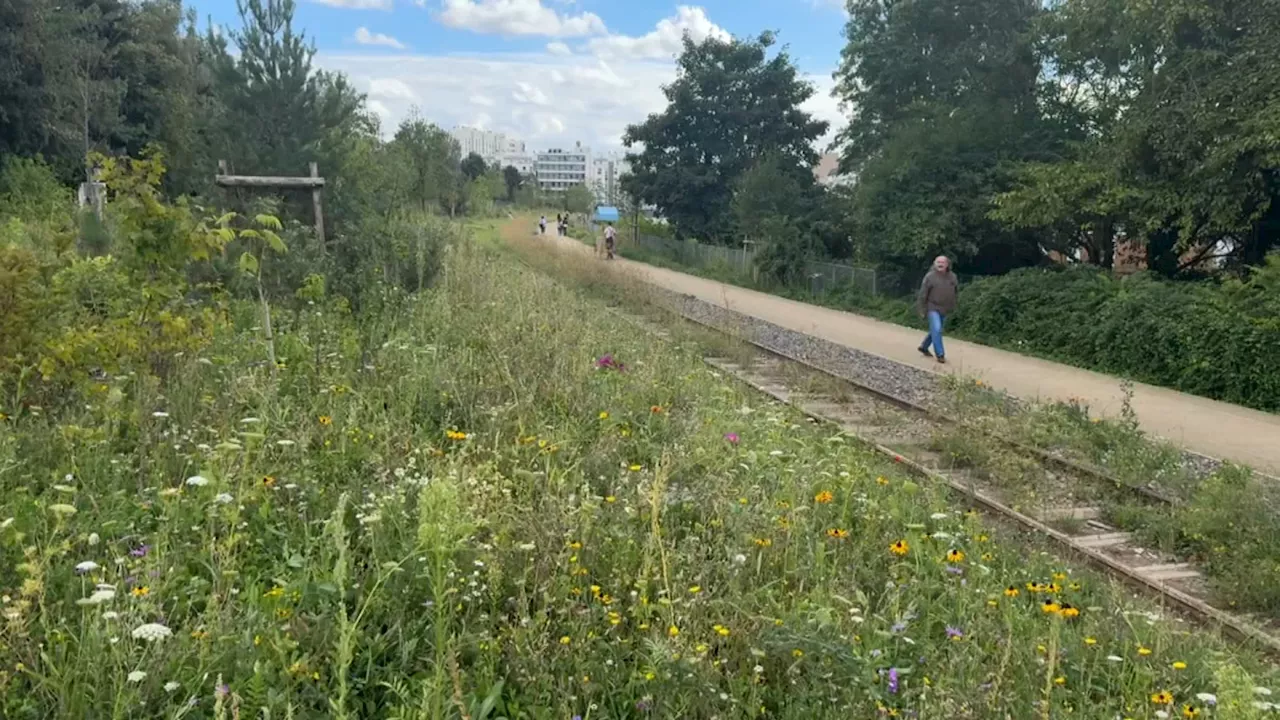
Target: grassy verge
{"points": [[512, 504]]}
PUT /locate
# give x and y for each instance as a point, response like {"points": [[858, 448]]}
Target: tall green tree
{"points": [[473, 166], [944, 95], [435, 162], [512, 179], [731, 103]]}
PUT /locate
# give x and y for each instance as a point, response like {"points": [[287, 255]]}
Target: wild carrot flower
{"points": [[151, 632], [823, 497], [197, 481], [86, 567]]}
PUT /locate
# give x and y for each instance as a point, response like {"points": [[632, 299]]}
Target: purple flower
{"points": [[222, 690], [642, 704], [732, 438], [140, 551], [954, 633], [607, 362], [955, 570], [898, 627], [893, 681]]}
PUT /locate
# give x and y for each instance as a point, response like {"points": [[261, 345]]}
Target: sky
{"points": [[550, 72]]}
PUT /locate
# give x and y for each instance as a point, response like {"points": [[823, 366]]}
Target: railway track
{"points": [[1074, 519]]}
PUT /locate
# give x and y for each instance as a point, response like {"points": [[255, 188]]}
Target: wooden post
{"points": [[315, 201]]}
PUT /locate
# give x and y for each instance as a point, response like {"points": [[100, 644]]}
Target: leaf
{"points": [[225, 220], [270, 222], [248, 263], [250, 233], [274, 241]]}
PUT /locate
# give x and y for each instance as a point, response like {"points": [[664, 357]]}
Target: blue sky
{"points": [[549, 71]]}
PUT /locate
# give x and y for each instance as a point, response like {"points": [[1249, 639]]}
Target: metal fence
{"points": [[820, 277]]}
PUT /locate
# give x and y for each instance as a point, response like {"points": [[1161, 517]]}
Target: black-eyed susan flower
{"points": [[823, 497], [763, 542], [1190, 711], [955, 556], [1011, 591], [1069, 611], [1164, 697], [325, 420], [1050, 607], [900, 548], [837, 533]]}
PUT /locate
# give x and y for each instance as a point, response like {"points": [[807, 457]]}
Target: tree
{"points": [[578, 199], [473, 166], [944, 96], [730, 104], [511, 177], [434, 159]]}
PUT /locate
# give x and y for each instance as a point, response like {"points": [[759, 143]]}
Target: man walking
{"points": [[938, 295], [609, 237], [542, 225]]}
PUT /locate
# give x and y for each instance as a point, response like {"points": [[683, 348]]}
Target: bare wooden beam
{"points": [[315, 202], [255, 181]]}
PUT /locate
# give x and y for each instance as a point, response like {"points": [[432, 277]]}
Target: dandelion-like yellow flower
{"points": [[823, 497], [695, 589], [325, 420], [900, 548], [455, 435], [141, 591], [1090, 641], [604, 415], [837, 533], [614, 618], [1164, 697], [955, 556], [882, 480], [673, 631], [1144, 650], [1179, 665], [636, 468], [274, 592], [721, 630], [610, 499], [1059, 681], [797, 653]]}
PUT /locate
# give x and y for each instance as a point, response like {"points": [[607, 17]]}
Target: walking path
{"points": [[1209, 427]]}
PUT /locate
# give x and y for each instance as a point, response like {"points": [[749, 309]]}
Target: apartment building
{"points": [[605, 180], [558, 169]]}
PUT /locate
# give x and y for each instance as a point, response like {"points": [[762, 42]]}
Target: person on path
{"points": [[542, 225], [609, 234], [939, 294]]}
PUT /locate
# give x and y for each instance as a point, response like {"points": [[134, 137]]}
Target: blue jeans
{"points": [[935, 334]]}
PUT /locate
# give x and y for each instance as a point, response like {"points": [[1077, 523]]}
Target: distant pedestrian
{"points": [[609, 235], [542, 225], [939, 294]]}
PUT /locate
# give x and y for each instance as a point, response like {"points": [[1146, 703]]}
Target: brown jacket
{"points": [[939, 292]]}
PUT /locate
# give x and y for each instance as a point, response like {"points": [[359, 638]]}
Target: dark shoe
{"points": [[942, 360], [925, 351]]}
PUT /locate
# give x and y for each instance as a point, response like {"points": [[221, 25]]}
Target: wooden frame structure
{"points": [[313, 182]]}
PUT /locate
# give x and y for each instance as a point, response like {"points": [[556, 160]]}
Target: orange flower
{"points": [[823, 497]]}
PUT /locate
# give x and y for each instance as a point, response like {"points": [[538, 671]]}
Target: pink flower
{"points": [[732, 438]]}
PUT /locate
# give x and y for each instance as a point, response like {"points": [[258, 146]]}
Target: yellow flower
{"points": [[1090, 641], [1144, 651], [988, 557], [455, 435], [595, 591], [955, 556], [565, 640], [837, 533], [1059, 576], [983, 538], [882, 480], [1190, 711], [649, 675], [823, 497], [1179, 665], [797, 653], [1070, 612], [673, 631], [1011, 591], [199, 634], [701, 648], [695, 589], [636, 468], [274, 592], [268, 481], [1050, 607], [993, 603], [604, 415], [1164, 697], [610, 499], [575, 545], [900, 548], [326, 420], [721, 630], [1059, 681], [763, 542], [141, 591], [614, 618]]}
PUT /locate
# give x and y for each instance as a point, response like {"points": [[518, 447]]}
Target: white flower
{"points": [[1115, 658], [160, 414], [224, 499], [171, 686], [1207, 698], [137, 676], [758, 669], [97, 597], [197, 481], [110, 615], [86, 566], [938, 516], [93, 539], [285, 443], [151, 632], [1162, 714], [739, 559], [1262, 690], [251, 420], [527, 546]]}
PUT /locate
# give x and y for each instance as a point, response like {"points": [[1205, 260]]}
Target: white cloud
{"points": [[665, 41], [530, 94], [358, 4], [392, 88], [558, 48], [591, 102], [364, 37], [516, 17]]}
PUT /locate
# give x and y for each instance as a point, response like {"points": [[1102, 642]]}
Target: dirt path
{"points": [[1213, 428]]}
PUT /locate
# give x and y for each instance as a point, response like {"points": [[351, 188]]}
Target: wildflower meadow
{"points": [[493, 499]]}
